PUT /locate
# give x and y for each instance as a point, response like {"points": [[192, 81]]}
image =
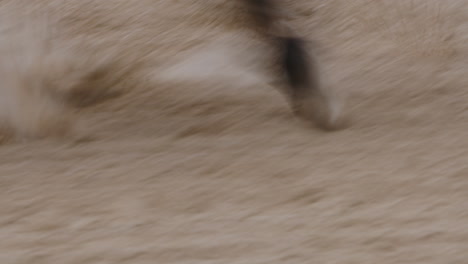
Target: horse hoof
{"points": [[325, 113]]}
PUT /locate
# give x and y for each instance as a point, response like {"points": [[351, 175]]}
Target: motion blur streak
{"points": [[177, 164]]}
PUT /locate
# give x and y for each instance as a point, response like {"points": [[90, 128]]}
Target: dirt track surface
{"points": [[193, 170]]}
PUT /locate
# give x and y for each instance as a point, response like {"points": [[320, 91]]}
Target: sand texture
{"points": [[199, 159]]}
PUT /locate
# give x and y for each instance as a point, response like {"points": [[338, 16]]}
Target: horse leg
{"points": [[303, 85]]}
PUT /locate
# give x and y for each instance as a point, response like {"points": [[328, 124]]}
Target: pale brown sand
{"points": [[194, 170]]}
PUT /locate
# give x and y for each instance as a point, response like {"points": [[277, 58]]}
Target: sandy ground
{"points": [[215, 169]]}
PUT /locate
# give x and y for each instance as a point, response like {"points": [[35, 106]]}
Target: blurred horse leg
{"points": [[303, 85]]}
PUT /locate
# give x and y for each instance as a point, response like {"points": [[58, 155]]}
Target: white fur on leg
{"points": [[27, 108], [40, 79]]}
